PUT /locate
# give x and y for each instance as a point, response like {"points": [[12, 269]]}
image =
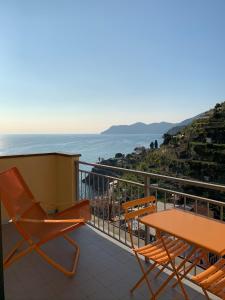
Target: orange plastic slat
{"points": [[140, 212], [211, 270], [139, 201]]}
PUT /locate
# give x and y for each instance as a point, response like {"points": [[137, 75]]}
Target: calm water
{"points": [[90, 146]]}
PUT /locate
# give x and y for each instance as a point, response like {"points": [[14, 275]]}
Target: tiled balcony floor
{"points": [[106, 271]]}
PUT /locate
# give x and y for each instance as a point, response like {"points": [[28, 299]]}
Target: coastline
{"points": [[90, 146]]}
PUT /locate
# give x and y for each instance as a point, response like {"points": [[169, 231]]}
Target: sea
{"points": [[90, 146]]}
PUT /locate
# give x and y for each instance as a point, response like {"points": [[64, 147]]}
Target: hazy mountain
{"points": [[179, 126], [152, 128]]}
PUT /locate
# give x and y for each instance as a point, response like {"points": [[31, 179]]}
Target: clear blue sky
{"points": [[81, 66]]}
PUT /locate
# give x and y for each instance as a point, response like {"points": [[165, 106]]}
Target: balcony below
{"points": [[107, 270]]}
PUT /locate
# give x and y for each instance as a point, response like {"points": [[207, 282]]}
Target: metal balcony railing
{"points": [[108, 189]]}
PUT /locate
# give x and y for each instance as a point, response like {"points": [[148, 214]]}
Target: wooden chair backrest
{"points": [[149, 204], [144, 206]]}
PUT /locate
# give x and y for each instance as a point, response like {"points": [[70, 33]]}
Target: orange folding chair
{"points": [[34, 225], [162, 252], [212, 279]]}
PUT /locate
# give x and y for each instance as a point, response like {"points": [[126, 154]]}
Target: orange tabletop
{"points": [[195, 229]]}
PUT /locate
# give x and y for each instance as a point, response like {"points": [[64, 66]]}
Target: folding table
{"points": [[203, 233]]}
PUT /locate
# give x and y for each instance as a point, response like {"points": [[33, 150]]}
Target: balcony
{"points": [[107, 268]]}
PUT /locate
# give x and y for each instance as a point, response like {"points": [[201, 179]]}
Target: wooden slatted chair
{"points": [[34, 225], [212, 279], [154, 251]]}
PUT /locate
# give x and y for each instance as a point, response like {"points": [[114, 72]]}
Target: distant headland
{"points": [[152, 128]]}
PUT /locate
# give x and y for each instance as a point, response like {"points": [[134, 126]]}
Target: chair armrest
{"points": [[50, 221], [78, 205]]}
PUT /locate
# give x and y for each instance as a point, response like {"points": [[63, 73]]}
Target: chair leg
{"points": [[180, 282], [206, 294], [206, 258], [181, 265], [76, 246], [174, 273], [167, 281], [13, 258], [138, 283], [144, 276], [194, 263], [57, 265], [13, 251], [161, 270]]}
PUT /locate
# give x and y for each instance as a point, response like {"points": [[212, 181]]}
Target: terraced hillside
{"points": [[196, 151]]}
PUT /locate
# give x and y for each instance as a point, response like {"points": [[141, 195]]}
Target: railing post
{"points": [[147, 184], [147, 229], [2, 294], [221, 213], [77, 183]]}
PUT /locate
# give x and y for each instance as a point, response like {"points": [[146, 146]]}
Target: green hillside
{"points": [[195, 152]]}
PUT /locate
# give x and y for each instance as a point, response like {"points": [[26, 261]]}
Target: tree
{"points": [[217, 110], [167, 138], [217, 106], [151, 145], [119, 155], [156, 144]]}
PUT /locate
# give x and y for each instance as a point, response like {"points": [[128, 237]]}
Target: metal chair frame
{"points": [[162, 252], [31, 221]]}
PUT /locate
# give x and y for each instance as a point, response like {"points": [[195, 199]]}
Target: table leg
{"points": [[174, 273], [195, 262], [143, 277]]}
